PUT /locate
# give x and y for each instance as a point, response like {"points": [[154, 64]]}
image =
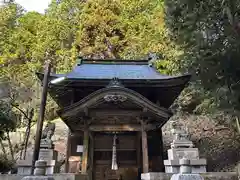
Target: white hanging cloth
{"points": [[114, 154]]}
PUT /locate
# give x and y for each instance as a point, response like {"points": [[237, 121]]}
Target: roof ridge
{"points": [[113, 61]]}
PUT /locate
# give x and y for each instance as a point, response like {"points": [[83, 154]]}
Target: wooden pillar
{"points": [[144, 149], [138, 150], [91, 154], [85, 150], [155, 150], [68, 148], [162, 168]]}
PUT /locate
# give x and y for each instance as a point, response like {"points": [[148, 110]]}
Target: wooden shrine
{"points": [[106, 100]]}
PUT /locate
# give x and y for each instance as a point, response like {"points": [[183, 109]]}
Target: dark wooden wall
{"points": [[129, 153], [155, 151]]}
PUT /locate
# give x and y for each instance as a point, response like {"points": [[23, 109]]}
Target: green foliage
{"points": [[5, 165], [209, 34], [117, 29], [103, 29], [8, 119]]}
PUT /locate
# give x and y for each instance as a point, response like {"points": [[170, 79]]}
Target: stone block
{"points": [[172, 169], [194, 162], [186, 177], [179, 153], [197, 165], [181, 144], [48, 154], [206, 176], [51, 167], [38, 178], [24, 167]]}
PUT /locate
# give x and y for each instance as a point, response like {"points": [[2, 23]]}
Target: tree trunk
{"points": [[238, 124], [22, 146], [3, 149], [10, 145], [28, 130]]}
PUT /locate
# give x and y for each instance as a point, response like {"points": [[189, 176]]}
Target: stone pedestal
{"points": [[174, 155], [183, 148], [24, 167], [39, 172], [187, 177], [198, 166], [49, 155], [186, 171]]}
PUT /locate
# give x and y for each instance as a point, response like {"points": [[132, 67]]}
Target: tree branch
{"points": [[24, 113]]}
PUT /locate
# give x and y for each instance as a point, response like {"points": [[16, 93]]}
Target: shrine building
{"points": [[115, 110]]}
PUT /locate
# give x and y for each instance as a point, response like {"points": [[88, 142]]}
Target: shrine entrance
{"points": [[115, 111], [127, 156], [116, 125]]}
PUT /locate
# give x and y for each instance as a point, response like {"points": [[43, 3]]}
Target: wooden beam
{"points": [[144, 149], [109, 112], [118, 127], [106, 127], [85, 149]]}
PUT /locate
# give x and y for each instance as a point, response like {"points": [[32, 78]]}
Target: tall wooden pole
{"points": [[41, 115]]}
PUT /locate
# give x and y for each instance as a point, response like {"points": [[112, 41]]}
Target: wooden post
{"points": [[41, 115], [68, 149], [68, 152], [91, 162], [85, 149], [144, 149], [162, 168], [138, 150]]}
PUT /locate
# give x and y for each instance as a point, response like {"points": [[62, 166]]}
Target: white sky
{"points": [[34, 5]]}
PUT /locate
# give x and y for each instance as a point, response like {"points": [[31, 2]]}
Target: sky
{"points": [[34, 5]]}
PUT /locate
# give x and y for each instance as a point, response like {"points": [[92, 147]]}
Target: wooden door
{"points": [[126, 158]]}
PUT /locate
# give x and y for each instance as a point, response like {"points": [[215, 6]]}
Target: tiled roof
{"points": [[120, 71]]}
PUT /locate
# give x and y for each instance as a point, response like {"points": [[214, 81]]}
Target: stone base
{"points": [[25, 167], [179, 153], [49, 155], [62, 176], [197, 165], [186, 177], [208, 176], [38, 178]]}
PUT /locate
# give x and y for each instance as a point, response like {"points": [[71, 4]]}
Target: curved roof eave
{"points": [[180, 80], [97, 95]]}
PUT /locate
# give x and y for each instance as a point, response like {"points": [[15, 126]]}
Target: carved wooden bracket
{"points": [[115, 98], [115, 83]]}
